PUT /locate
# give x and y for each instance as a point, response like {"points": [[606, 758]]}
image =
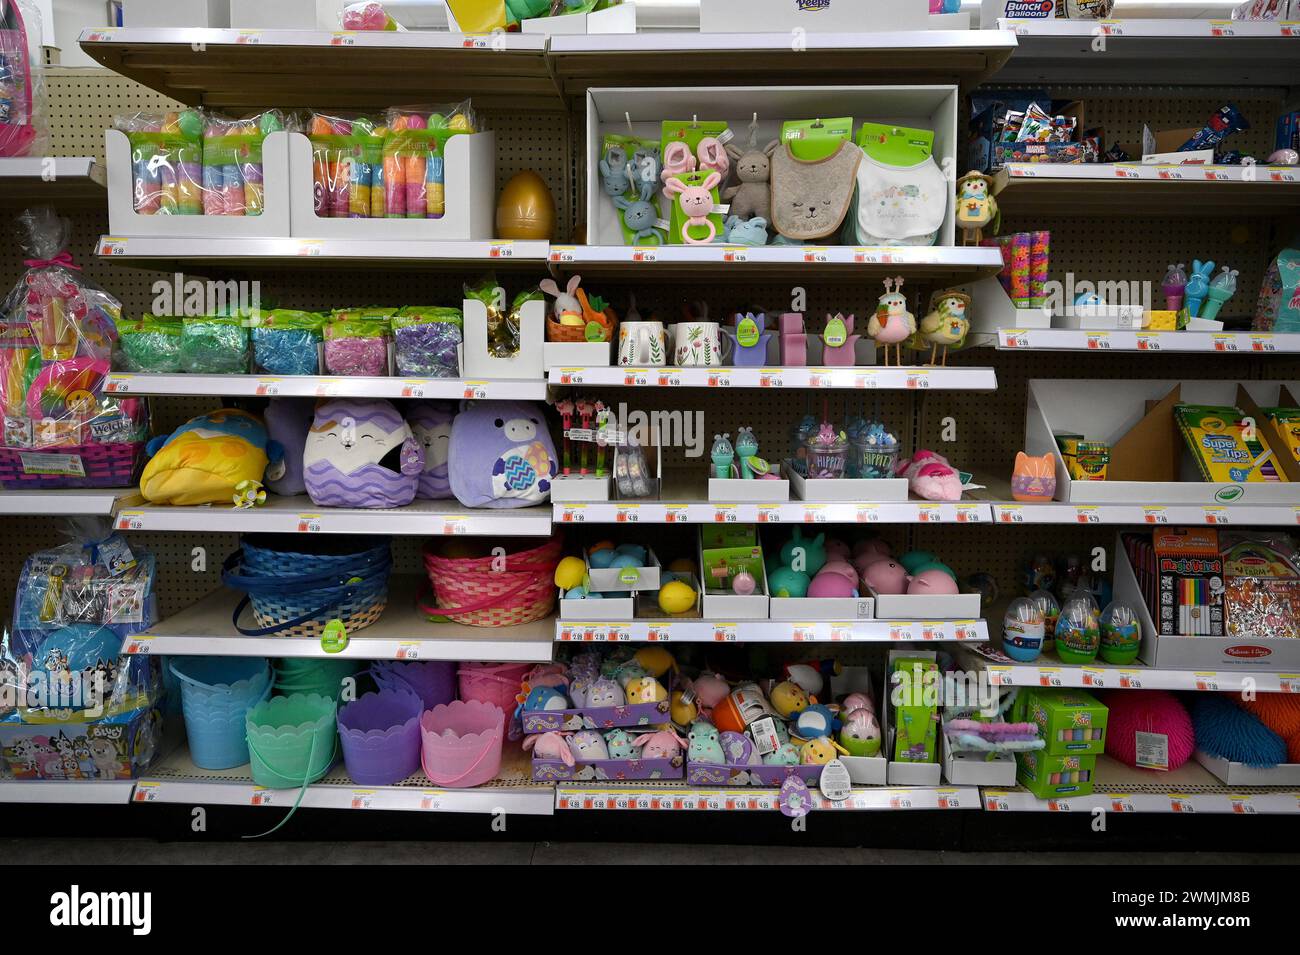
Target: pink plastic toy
{"points": [[743, 583], [1148, 711], [886, 577], [841, 567], [549, 746], [831, 584], [857, 701], [932, 583], [696, 203], [930, 476], [836, 548], [709, 689], [872, 547], [660, 745], [794, 340]]}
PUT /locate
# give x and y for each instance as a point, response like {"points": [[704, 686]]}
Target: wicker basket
{"points": [[607, 320], [471, 590]]}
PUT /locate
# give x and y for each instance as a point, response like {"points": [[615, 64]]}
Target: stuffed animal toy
{"points": [[930, 476], [812, 551], [619, 744], [746, 231], [813, 721], [976, 208], [361, 453], [288, 420], [501, 455], [605, 693], [549, 746], [646, 689], [818, 752], [787, 754], [662, 744], [588, 746], [655, 660], [739, 749], [430, 423], [207, 459], [752, 196], [546, 698], [628, 671], [788, 699], [705, 745]]}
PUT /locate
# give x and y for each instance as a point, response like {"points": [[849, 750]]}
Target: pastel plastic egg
{"points": [[602, 558], [933, 583], [885, 577], [569, 573], [831, 584], [634, 550], [577, 593], [623, 560], [743, 583], [676, 597], [914, 559]]}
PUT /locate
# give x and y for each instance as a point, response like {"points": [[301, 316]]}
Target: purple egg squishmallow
{"points": [[501, 455], [932, 583], [430, 423], [360, 453], [885, 577]]}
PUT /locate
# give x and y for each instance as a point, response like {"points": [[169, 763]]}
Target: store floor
{"points": [[149, 852]]}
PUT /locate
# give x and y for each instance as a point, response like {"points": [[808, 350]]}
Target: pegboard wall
{"points": [[989, 427]]}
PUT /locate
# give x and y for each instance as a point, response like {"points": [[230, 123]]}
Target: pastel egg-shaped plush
{"points": [[914, 559], [576, 593], [634, 550], [624, 560], [885, 577], [569, 573], [603, 558], [932, 582], [784, 582], [837, 549], [600, 545], [831, 584], [841, 567], [935, 565], [676, 597], [871, 546]]}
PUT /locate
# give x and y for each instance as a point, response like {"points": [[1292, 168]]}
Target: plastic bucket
{"points": [[432, 681], [216, 695], [305, 675], [292, 740], [380, 735], [495, 683], [460, 743]]}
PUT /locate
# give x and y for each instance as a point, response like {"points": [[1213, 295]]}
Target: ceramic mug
{"points": [[697, 345], [642, 344]]}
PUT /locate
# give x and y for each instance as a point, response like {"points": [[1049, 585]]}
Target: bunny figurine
{"points": [[619, 744], [705, 746], [549, 746], [605, 692], [696, 204], [566, 302], [662, 744], [587, 746], [614, 171], [1198, 285]]}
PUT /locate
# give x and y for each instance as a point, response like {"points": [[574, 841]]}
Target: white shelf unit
{"points": [[323, 386], [58, 180], [1048, 671], [1190, 789], [670, 796], [156, 252], [1220, 515], [402, 633], [298, 515], [689, 630], [866, 378], [177, 780], [67, 792], [1102, 341], [60, 502], [798, 513]]}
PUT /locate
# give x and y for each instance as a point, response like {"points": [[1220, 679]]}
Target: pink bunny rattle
{"points": [[696, 202]]}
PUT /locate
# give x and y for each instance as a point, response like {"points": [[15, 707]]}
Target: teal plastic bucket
{"points": [[216, 695], [292, 740], [306, 675]]}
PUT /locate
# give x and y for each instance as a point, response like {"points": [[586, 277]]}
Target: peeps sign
{"points": [[813, 16]]}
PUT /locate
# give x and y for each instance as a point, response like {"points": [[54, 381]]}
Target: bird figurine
{"points": [[892, 324], [945, 326], [976, 207]]}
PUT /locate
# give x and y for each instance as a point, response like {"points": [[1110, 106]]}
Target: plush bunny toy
{"points": [[549, 746], [752, 196]]}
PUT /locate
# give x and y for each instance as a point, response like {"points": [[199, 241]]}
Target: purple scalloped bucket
{"points": [[380, 734], [433, 681]]}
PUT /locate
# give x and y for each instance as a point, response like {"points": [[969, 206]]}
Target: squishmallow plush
{"points": [[360, 453], [501, 455], [430, 422], [287, 422], [204, 460]]}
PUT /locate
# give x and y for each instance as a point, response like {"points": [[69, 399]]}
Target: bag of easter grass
{"points": [[286, 341], [148, 345], [427, 341], [356, 341]]}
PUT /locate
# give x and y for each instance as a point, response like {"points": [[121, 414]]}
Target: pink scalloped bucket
{"points": [[460, 743]]}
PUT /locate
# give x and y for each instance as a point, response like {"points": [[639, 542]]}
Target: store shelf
{"points": [[940, 263], [1235, 515], [56, 180], [1191, 52], [248, 69], [314, 386], [680, 511], [1120, 788], [59, 503], [967, 57], [1104, 341], [67, 792], [298, 515], [867, 378], [402, 633], [676, 796], [1128, 189], [177, 780], [183, 253], [686, 630], [1051, 672]]}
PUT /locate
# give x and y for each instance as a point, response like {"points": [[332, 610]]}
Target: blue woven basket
{"points": [[298, 586]]}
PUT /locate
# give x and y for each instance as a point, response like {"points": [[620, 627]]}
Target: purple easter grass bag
{"points": [[360, 453], [430, 423], [501, 455]]}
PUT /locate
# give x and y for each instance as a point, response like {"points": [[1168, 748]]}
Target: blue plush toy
{"points": [[619, 744], [751, 232], [501, 455], [813, 722]]}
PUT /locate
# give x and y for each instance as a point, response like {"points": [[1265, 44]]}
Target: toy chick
{"points": [[976, 207], [946, 324], [892, 324]]}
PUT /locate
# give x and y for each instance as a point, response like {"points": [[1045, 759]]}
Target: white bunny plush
{"points": [[566, 302]]}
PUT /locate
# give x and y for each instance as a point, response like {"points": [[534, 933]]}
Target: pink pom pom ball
{"points": [[1147, 711], [932, 583], [743, 583], [885, 577], [830, 584]]}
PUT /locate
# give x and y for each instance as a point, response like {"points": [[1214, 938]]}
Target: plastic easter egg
{"points": [[569, 573], [1078, 631], [857, 701], [676, 597], [600, 545], [633, 550], [1023, 629], [841, 567], [885, 577], [682, 565], [917, 558], [602, 559], [784, 582], [935, 565], [1120, 637], [623, 560], [526, 208], [932, 583], [860, 734], [190, 123], [831, 584], [1051, 610], [743, 583]]}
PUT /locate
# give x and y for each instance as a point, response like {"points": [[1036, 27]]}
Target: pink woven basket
{"points": [[477, 592], [495, 683]]}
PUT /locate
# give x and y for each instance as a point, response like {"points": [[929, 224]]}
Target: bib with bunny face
{"points": [[900, 205]]}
